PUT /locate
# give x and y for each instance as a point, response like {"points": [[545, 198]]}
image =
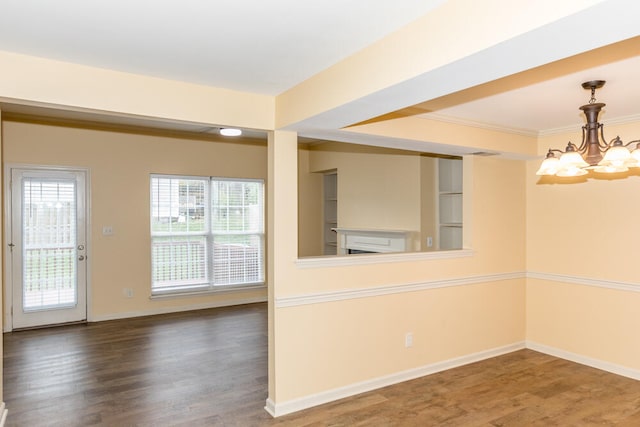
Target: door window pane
{"points": [[49, 240]]}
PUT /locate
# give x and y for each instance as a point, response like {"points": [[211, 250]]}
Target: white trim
{"points": [[6, 254], [524, 132], [270, 407], [364, 259], [3, 414], [372, 240], [208, 290], [584, 360], [577, 127], [476, 124], [346, 294], [279, 409], [166, 310], [599, 283]]}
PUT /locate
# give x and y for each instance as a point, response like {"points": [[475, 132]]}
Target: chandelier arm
{"points": [[636, 141], [603, 144], [583, 145]]}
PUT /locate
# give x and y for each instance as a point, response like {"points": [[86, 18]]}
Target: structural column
{"points": [[282, 235]]}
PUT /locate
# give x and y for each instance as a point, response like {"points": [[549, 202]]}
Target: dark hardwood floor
{"points": [[209, 368]]}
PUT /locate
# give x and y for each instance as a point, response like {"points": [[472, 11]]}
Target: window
{"points": [[206, 233]]}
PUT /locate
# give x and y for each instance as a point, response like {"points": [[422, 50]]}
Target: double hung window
{"points": [[206, 233]]}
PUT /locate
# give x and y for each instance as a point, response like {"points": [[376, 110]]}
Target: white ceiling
{"points": [[553, 105], [258, 46], [268, 47]]}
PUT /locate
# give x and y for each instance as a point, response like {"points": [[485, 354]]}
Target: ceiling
{"points": [[268, 47], [254, 46], [535, 104]]}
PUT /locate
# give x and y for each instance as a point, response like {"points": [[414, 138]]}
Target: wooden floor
{"points": [[209, 368]]}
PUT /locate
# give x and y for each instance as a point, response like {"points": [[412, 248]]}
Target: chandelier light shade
{"points": [[592, 154]]}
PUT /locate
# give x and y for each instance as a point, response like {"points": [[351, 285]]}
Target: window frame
{"points": [[209, 234]]}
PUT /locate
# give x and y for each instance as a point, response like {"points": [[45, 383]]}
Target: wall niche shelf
{"points": [[449, 204], [330, 212]]}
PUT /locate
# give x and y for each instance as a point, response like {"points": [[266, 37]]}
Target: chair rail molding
{"points": [[585, 281], [346, 294]]}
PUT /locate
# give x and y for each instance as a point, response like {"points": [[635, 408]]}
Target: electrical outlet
{"points": [[408, 339], [107, 230], [128, 292], [429, 241]]}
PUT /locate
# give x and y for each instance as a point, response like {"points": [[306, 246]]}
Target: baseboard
{"points": [[270, 407], [167, 310], [279, 409], [584, 360], [3, 414]]}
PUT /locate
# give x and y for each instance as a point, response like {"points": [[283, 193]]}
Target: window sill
{"points": [[207, 291]]}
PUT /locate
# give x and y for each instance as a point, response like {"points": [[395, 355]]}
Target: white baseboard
{"points": [[270, 407], [3, 414], [584, 360], [279, 409], [178, 309]]}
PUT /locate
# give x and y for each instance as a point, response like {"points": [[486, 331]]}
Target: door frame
{"points": [[7, 228]]}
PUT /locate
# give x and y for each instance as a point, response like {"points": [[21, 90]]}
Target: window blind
{"points": [[49, 240], [206, 232]]}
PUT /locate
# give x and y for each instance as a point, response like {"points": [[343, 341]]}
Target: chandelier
{"points": [[592, 154]]}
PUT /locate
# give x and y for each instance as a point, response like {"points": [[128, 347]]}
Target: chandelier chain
{"points": [[593, 95]]}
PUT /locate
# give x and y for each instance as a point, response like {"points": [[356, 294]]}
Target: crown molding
{"points": [[634, 118], [476, 124]]}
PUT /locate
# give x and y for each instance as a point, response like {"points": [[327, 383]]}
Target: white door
{"points": [[47, 247]]}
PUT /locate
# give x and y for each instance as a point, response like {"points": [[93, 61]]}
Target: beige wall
{"points": [[445, 137], [377, 188], [362, 337], [73, 87], [120, 164], [582, 247], [331, 345]]}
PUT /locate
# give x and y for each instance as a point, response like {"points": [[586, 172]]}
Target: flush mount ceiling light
{"points": [[230, 132], [592, 154]]}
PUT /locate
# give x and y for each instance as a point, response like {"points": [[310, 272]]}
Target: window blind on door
{"points": [[49, 243]]}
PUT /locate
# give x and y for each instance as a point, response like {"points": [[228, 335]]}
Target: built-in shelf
{"points": [[330, 212], [450, 204]]}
